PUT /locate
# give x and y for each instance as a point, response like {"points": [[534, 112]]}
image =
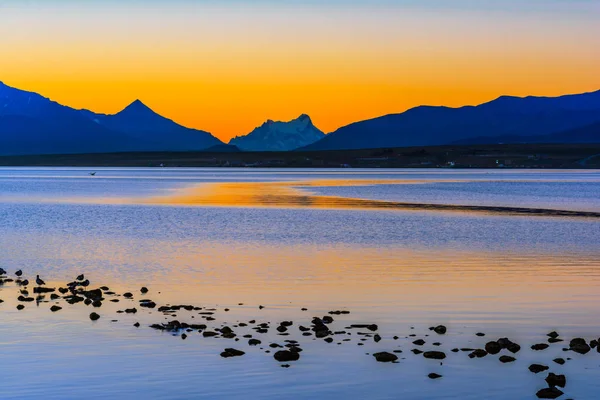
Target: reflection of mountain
{"points": [[280, 136], [505, 116], [32, 124]]}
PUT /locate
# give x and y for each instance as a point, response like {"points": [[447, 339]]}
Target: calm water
{"points": [[215, 237]]}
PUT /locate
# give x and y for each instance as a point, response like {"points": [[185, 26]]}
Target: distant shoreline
{"points": [[509, 156]]}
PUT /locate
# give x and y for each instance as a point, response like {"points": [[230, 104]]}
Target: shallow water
{"points": [[505, 275]]}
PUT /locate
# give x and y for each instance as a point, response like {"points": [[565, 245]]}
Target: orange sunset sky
{"points": [[226, 66]]}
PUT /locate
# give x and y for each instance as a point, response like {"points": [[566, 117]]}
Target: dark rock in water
{"points": [[144, 290], [539, 346], [479, 353], [537, 368], [55, 308], [286, 323], [419, 342], [254, 342], [579, 346], [94, 316], [493, 347], [286, 356], [54, 296], [559, 361], [553, 335], [554, 340], [385, 357], [43, 290], [95, 294], [513, 348], [183, 336], [371, 327], [455, 350], [377, 338], [63, 290], [437, 344], [275, 346], [281, 329], [25, 299], [556, 380], [594, 344], [440, 330], [87, 302], [335, 312], [20, 307], [417, 351], [232, 353], [329, 340], [73, 299], [549, 393], [97, 303], [209, 334], [507, 359], [434, 376], [303, 328], [131, 310], [434, 355], [128, 295], [480, 334], [148, 304], [137, 324], [327, 319], [467, 349]]}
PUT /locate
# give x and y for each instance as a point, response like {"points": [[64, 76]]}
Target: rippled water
{"points": [[220, 237]]}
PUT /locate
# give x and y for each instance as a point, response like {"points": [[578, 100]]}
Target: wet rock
{"points": [[63, 290], [594, 344], [479, 353], [20, 307], [254, 342], [41, 290], [385, 357], [419, 342], [73, 299], [144, 290], [556, 380], [227, 353], [480, 334], [559, 361], [579, 346], [554, 340], [130, 310], [335, 312], [55, 308], [513, 348], [327, 319], [286, 356], [434, 355], [329, 340], [549, 393], [54, 296], [25, 299], [493, 347], [87, 302], [440, 330], [377, 338], [553, 335], [507, 359], [148, 304], [371, 327], [281, 329], [417, 351], [539, 346], [128, 295], [94, 316], [183, 336], [137, 324], [209, 334], [537, 368], [97, 303], [434, 376]]}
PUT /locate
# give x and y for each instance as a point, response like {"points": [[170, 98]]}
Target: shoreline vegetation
{"points": [[498, 156], [257, 333]]}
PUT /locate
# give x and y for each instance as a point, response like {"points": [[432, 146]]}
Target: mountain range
{"points": [[530, 118], [280, 136], [33, 124]]}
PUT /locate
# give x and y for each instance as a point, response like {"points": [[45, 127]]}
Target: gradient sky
{"points": [[226, 66]]}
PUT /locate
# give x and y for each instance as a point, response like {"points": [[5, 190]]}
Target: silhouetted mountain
{"points": [[280, 136], [505, 116], [33, 124], [586, 134], [154, 131]]}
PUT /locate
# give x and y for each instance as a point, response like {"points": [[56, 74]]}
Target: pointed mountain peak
{"points": [[304, 117], [138, 107]]}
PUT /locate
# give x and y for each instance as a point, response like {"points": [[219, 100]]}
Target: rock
{"points": [[493, 347], [553, 335], [539, 347], [371, 327], [254, 342], [232, 353], [549, 393], [554, 340], [480, 334], [479, 353], [94, 316], [434, 355], [43, 290], [385, 357], [419, 342], [507, 359], [579, 346], [513, 348], [329, 340], [434, 376], [281, 329], [148, 304], [144, 290], [327, 319], [377, 338], [286, 356], [55, 308], [440, 330], [137, 324], [559, 361], [128, 295], [556, 380], [20, 307], [209, 334], [131, 311], [594, 344], [417, 351], [183, 336], [537, 368]]}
